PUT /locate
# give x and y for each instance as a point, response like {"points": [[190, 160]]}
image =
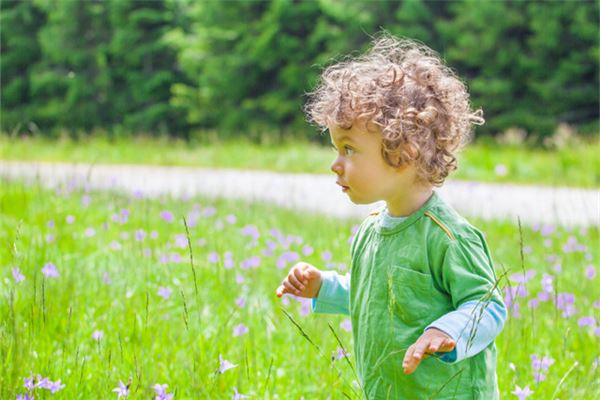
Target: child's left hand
{"points": [[431, 341]]}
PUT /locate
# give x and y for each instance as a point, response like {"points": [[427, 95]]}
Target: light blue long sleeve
{"points": [[489, 318], [472, 326], [334, 295]]}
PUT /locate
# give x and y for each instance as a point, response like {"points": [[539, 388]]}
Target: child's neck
{"points": [[409, 201]]}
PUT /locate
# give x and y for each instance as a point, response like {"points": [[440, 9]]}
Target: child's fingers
{"points": [[298, 286], [300, 277], [420, 348], [289, 287], [280, 291], [436, 344], [410, 362], [447, 345], [310, 273]]}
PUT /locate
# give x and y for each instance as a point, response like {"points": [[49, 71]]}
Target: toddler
{"points": [[422, 292]]}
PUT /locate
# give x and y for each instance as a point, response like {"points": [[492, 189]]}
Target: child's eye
{"points": [[349, 150]]}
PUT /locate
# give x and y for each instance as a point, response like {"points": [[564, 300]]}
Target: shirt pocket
{"points": [[410, 293]]}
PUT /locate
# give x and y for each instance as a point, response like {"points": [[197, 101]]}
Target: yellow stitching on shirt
{"points": [[450, 235]]}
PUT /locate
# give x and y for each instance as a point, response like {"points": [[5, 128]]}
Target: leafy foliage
{"points": [[182, 66]]}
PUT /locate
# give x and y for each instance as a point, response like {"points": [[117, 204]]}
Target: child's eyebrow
{"points": [[344, 138]]}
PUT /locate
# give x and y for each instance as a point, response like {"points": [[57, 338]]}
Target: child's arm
{"points": [[471, 328]]}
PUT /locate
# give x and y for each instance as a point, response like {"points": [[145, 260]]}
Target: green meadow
{"points": [[575, 165], [103, 288]]}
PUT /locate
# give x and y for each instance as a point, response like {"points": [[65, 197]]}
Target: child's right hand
{"points": [[303, 280]]}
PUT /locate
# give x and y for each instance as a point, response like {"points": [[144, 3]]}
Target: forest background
{"points": [[219, 70]]}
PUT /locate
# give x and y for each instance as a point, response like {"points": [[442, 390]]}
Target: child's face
{"points": [[362, 172]]}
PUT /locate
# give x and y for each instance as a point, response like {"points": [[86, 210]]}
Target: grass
{"points": [[576, 166], [115, 252]]}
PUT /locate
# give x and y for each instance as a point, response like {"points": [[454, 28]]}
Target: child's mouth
{"points": [[344, 187]]}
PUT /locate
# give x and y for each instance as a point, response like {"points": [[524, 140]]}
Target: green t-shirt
{"points": [[404, 278]]}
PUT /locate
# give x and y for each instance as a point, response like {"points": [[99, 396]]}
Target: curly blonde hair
{"points": [[420, 106]]}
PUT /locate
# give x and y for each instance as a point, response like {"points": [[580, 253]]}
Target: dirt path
{"points": [[318, 193]]}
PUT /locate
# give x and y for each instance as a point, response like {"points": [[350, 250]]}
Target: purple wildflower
{"points": [[29, 383], [70, 219], [114, 245], [326, 256], [89, 232], [225, 365], [307, 250], [237, 395], [239, 330], [154, 235], [231, 219], [50, 238], [239, 278], [122, 390], [106, 279], [538, 377], [240, 301], [50, 270], [24, 397], [43, 383], [140, 235], [340, 353], [252, 262], [520, 277], [213, 257], [85, 200], [167, 216], [587, 321], [590, 272], [228, 260], [161, 392], [181, 241], [569, 311], [543, 296], [56, 386], [533, 303], [522, 393], [50, 223], [97, 335], [306, 305], [500, 170], [209, 211], [547, 230], [547, 283], [346, 325], [563, 299], [164, 292], [17, 275], [250, 230]]}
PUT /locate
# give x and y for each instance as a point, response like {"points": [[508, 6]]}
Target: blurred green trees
{"points": [[243, 67]]}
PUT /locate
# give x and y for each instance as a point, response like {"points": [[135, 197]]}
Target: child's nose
{"points": [[336, 167]]}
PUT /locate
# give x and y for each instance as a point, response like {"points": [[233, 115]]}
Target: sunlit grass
{"points": [[125, 270], [483, 161]]}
